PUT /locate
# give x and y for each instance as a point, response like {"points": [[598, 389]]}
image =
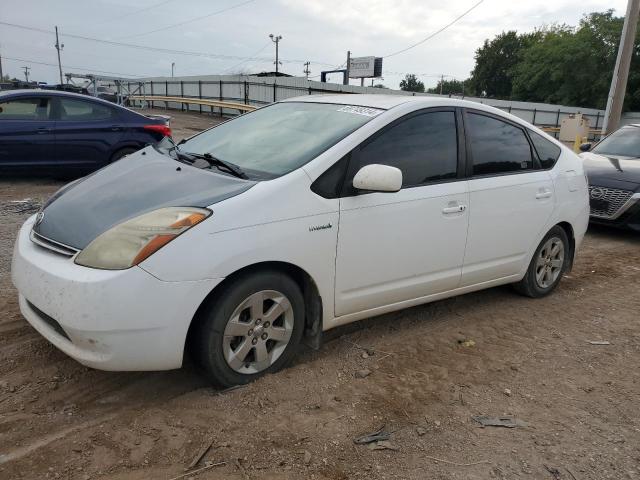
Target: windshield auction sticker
{"points": [[366, 111]]}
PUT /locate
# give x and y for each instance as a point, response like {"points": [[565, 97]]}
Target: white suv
{"points": [[264, 231]]}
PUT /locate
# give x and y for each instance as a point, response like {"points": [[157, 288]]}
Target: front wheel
{"points": [[547, 265], [252, 326]]}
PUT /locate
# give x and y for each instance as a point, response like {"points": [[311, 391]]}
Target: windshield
{"points": [[277, 139], [624, 143]]}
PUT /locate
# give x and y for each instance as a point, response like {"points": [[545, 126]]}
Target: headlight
{"points": [[130, 242]]}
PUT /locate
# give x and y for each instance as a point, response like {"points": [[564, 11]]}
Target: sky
{"points": [[318, 31]]}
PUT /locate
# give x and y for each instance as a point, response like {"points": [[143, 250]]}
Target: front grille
{"points": [[52, 245], [606, 202], [48, 320]]}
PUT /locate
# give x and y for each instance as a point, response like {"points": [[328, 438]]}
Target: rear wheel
{"points": [[547, 265], [251, 327], [123, 152]]}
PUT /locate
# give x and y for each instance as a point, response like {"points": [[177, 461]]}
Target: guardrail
{"points": [[193, 101]]}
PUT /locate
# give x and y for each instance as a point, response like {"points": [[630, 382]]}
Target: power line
{"points": [[68, 67], [130, 14], [245, 61], [436, 32], [179, 24], [153, 49]]}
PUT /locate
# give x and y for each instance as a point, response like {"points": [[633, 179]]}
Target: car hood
{"points": [[142, 182], [615, 170]]}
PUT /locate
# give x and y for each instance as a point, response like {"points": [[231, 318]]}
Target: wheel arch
{"points": [[313, 302], [129, 145], [568, 229]]}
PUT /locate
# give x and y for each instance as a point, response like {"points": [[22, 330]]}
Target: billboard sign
{"points": [[365, 67]]}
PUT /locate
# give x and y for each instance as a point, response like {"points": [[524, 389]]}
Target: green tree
{"points": [[556, 64], [411, 84], [573, 66], [451, 87], [492, 75]]}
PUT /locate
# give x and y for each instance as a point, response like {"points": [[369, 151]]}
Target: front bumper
{"points": [[109, 320], [627, 217]]}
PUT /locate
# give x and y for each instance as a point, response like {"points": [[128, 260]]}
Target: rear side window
{"points": [[497, 147], [548, 152], [78, 110], [25, 109], [424, 147]]}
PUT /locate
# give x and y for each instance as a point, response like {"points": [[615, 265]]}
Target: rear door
{"points": [[395, 247], [511, 198], [86, 132], [26, 132]]}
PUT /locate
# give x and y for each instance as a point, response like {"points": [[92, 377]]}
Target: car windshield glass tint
{"points": [[277, 139], [625, 143]]}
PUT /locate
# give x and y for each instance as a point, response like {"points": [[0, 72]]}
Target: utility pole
{"points": [[621, 71], [306, 70], [26, 73], [345, 80], [1, 75], [441, 83], [173, 65], [59, 47], [276, 39]]}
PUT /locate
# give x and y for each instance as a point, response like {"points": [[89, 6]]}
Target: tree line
{"points": [[557, 64]]}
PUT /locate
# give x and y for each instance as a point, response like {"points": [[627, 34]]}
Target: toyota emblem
{"points": [[597, 193]]}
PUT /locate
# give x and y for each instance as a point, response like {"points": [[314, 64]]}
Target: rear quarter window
{"points": [[547, 151]]}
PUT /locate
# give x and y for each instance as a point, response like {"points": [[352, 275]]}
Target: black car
{"points": [[613, 168], [67, 134], [106, 94]]}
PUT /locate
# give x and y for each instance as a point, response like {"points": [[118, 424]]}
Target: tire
{"points": [[233, 344], [547, 266], [123, 152]]}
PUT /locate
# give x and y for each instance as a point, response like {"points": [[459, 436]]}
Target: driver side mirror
{"points": [[378, 178], [585, 147]]}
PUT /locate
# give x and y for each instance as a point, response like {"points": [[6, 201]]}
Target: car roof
{"points": [[385, 101], [43, 91]]}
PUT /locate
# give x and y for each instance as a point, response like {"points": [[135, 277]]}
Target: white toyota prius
{"points": [[244, 241]]}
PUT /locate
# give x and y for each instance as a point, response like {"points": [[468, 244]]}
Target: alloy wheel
{"points": [[258, 332], [550, 262]]}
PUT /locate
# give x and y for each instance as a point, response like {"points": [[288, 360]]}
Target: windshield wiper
{"points": [[179, 154], [233, 169]]}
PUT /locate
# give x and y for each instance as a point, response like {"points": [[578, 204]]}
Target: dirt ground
{"points": [[432, 368]]}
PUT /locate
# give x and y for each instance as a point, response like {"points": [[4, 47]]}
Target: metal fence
{"points": [[252, 90]]}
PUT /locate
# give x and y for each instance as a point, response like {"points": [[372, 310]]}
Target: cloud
{"points": [[315, 30]]}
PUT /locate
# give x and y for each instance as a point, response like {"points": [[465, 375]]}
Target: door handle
{"points": [[43, 130], [455, 209], [544, 194], [115, 128]]}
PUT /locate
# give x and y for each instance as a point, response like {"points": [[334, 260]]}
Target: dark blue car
{"points": [[61, 133]]}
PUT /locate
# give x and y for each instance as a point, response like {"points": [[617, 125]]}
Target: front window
{"points": [[624, 143], [424, 147], [33, 108], [280, 138]]}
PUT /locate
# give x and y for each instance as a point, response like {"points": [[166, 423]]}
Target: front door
{"points": [[511, 199], [400, 246], [26, 133]]}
